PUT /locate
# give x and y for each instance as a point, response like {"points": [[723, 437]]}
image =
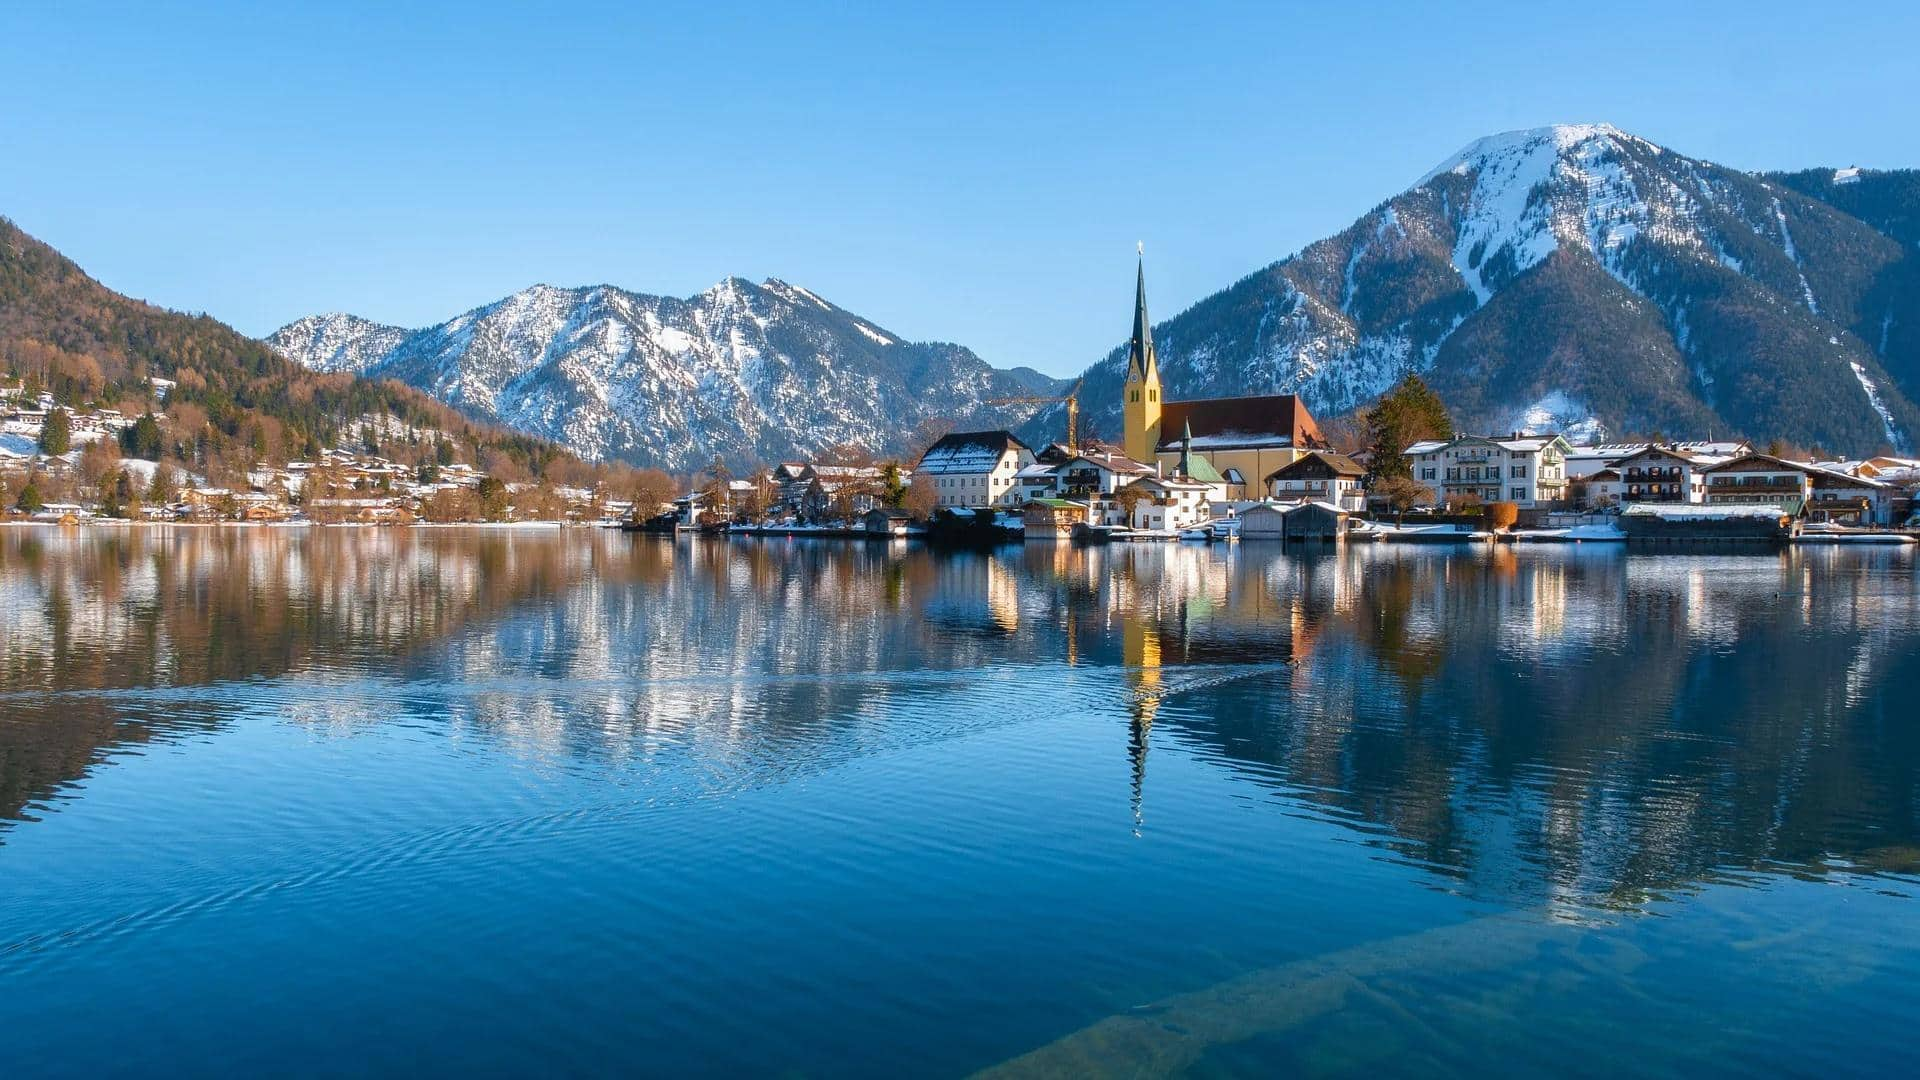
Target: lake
{"points": [[337, 801]]}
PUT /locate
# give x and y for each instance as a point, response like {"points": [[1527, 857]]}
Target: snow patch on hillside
{"points": [[1894, 435], [1558, 412], [1786, 244], [1503, 214]]}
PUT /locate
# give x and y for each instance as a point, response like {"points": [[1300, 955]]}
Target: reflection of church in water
{"points": [[1193, 609], [1140, 652]]}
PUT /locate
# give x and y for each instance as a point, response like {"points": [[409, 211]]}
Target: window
{"points": [[1426, 474], [1518, 494], [1519, 472]]}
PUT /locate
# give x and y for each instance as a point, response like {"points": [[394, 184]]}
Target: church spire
{"points": [[1140, 409], [1141, 363]]}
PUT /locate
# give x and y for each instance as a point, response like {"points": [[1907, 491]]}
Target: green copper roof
{"points": [[1199, 468]]}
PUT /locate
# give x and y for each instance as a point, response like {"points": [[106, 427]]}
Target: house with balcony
{"points": [[1848, 499], [1663, 474], [1528, 470], [1759, 480], [1320, 476]]}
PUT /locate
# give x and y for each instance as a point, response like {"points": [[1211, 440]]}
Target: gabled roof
{"points": [[1768, 460], [1172, 483], [1340, 464], [968, 452], [1111, 460], [1230, 423], [1668, 451]]}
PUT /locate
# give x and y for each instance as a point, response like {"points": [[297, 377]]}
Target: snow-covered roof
{"points": [[1111, 461], [1696, 447], [1709, 512], [1822, 474], [968, 453], [1427, 446]]}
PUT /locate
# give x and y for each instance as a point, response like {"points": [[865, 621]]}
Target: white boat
{"points": [[1838, 537]]}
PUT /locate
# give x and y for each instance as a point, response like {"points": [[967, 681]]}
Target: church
{"points": [[1244, 439]]}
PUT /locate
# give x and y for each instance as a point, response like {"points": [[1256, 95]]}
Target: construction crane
{"points": [[1072, 401]]}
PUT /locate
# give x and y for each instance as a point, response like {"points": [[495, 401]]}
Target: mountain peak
{"points": [[1550, 141], [1584, 275]]}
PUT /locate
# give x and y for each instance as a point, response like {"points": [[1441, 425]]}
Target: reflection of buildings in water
{"points": [[1655, 752], [1003, 596], [1547, 601]]}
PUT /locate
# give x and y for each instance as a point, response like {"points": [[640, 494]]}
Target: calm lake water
{"points": [[372, 802]]}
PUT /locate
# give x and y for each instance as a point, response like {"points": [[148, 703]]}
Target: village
{"points": [[1219, 469], [1260, 467]]}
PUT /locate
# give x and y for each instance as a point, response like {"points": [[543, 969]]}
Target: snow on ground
{"points": [[1847, 176]]}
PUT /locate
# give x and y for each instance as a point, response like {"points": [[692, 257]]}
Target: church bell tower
{"points": [[1140, 405]]}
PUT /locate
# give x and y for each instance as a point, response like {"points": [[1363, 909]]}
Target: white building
{"points": [[1842, 497], [1529, 470], [1664, 474], [1759, 479], [974, 468], [1321, 476], [1172, 503]]}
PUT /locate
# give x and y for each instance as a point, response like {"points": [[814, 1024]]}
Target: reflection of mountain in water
{"points": [[1530, 725]]}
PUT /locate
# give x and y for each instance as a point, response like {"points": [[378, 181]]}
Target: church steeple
{"points": [[1140, 405], [1141, 363]]}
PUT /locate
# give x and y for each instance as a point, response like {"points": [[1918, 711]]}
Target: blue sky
{"points": [[973, 173]]}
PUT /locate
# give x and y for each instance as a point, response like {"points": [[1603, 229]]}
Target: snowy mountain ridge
{"points": [[741, 371]]}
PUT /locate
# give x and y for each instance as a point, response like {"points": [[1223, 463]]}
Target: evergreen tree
{"points": [[160, 490], [493, 499], [893, 486], [56, 433], [1405, 415], [143, 439], [30, 502], [116, 491]]}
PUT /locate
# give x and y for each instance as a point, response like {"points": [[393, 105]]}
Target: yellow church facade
{"points": [[1245, 439]]}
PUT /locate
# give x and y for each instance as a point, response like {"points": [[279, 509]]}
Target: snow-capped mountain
{"points": [[337, 342], [1582, 279], [747, 372]]}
